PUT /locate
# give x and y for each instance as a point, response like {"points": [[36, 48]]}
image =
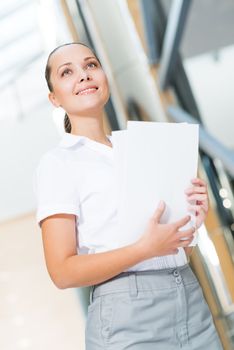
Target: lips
{"points": [[87, 90]]}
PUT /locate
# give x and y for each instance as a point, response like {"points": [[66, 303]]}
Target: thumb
{"points": [[159, 211]]}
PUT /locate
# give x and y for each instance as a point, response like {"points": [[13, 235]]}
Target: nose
{"points": [[83, 76], [83, 79]]}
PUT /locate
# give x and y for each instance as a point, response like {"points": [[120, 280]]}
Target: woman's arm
{"points": [[67, 269]]}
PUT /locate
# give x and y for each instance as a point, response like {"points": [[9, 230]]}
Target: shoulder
{"points": [[53, 158], [52, 169], [52, 173]]}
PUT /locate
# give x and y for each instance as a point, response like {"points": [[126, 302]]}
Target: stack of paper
{"points": [[153, 161]]}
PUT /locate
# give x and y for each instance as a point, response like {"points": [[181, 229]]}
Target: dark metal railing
{"points": [[209, 144]]}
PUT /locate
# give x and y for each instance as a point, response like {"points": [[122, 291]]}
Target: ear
{"points": [[53, 99]]}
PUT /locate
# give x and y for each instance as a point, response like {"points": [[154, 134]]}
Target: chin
{"points": [[90, 110], [91, 107]]}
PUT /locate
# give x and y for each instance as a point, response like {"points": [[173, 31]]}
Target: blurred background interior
{"points": [[167, 60]]}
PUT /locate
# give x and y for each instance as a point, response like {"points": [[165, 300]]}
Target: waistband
{"points": [[136, 281]]}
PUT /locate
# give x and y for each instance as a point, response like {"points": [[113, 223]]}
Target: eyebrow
{"points": [[70, 63]]}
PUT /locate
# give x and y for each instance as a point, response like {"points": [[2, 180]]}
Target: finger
{"points": [[182, 222], [159, 211], [200, 217], [200, 220], [203, 204], [197, 197], [187, 234], [195, 189], [185, 242], [197, 208], [199, 181]]}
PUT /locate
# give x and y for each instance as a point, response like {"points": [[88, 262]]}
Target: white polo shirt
{"points": [[77, 177]]}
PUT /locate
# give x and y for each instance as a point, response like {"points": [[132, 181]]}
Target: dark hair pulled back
{"points": [[67, 123]]}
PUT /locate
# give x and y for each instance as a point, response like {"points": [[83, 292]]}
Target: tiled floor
{"points": [[34, 314]]}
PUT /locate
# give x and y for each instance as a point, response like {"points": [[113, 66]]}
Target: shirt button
{"points": [[175, 273], [178, 280]]}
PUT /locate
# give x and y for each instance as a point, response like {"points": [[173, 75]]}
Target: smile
{"points": [[87, 91]]}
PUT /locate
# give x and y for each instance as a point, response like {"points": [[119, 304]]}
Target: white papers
{"points": [[153, 161]]}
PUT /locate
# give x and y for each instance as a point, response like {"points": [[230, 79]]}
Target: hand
{"points": [[164, 239], [197, 198]]}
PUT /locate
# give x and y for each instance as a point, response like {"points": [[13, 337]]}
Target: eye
{"points": [[92, 65], [66, 71]]}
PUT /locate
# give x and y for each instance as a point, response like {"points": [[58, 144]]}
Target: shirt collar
{"points": [[69, 140]]}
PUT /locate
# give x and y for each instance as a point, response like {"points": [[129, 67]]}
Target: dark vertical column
{"points": [[172, 38]]}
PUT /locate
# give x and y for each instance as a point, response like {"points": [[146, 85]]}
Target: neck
{"points": [[90, 127]]}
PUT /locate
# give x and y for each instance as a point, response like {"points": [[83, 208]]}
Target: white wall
{"points": [[21, 145], [26, 126]]}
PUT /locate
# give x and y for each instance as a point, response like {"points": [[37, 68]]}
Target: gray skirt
{"points": [[150, 310]]}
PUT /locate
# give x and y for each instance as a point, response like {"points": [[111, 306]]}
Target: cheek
{"points": [[101, 77], [105, 87], [63, 90]]}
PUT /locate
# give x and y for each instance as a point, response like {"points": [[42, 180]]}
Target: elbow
{"points": [[65, 284], [63, 276], [59, 280], [62, 281], [60, 284]]}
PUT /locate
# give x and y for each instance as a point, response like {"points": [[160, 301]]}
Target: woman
{"points": [[137, 301]]}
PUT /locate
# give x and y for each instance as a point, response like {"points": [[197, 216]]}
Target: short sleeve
{"points": [[55, 188]]}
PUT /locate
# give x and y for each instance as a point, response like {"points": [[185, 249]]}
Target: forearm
{"points": [[67, 269], [90, 269]]}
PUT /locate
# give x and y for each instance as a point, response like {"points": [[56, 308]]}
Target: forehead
{"points": [[69, 53]]}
